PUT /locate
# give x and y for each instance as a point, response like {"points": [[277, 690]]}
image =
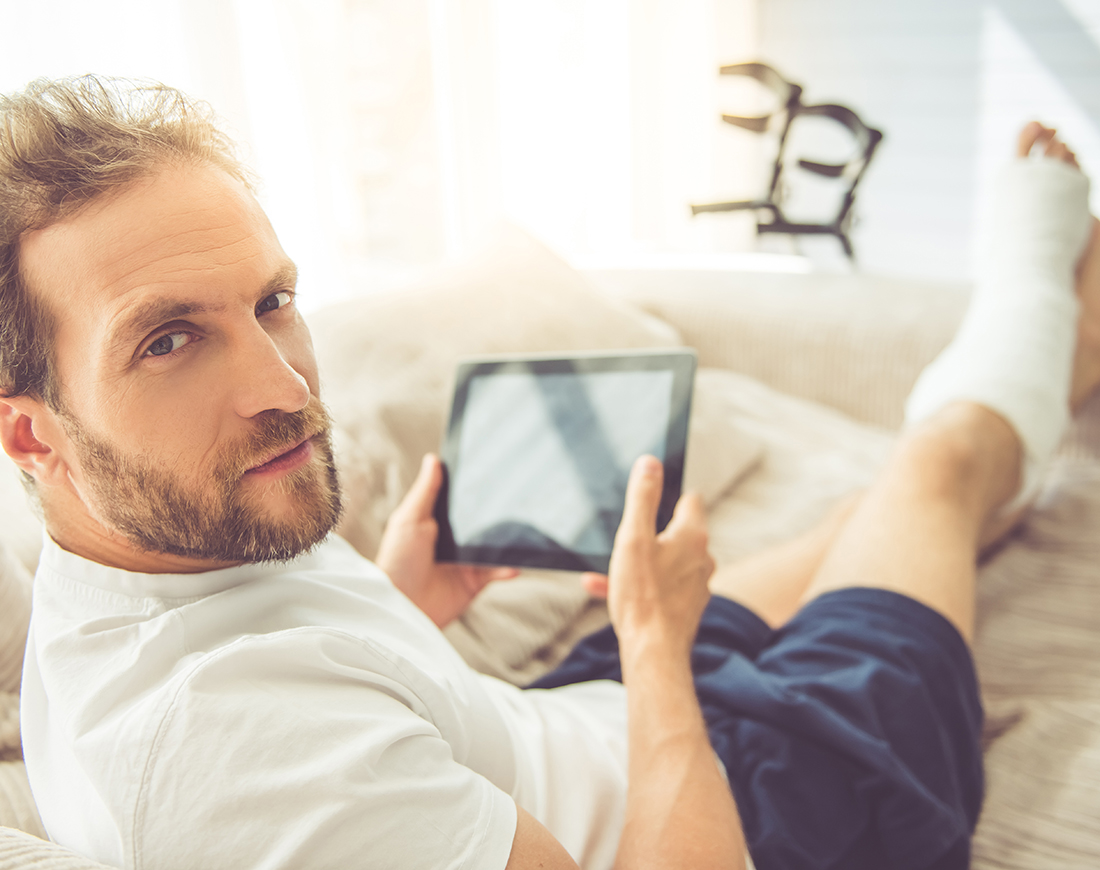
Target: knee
{"points": [[955, 454]]}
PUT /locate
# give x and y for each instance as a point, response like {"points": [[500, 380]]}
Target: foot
{"points": [[1014, 353], [1035, 137], [1086, 364], [1014, 350]]}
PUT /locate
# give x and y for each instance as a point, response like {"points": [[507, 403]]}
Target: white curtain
{"points": [[391, 133], [593, 123]]}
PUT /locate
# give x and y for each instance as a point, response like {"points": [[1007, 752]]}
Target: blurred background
{"points": [[391, 134]]}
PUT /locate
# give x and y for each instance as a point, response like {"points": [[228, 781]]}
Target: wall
{"points": [[389, 132], [949, 82]]}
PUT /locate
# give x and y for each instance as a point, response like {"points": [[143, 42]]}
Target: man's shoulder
{"points": [[329, 613], [115, 681], [104, 644]]}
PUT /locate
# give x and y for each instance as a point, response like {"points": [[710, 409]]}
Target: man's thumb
{"points": [[420, 499]]}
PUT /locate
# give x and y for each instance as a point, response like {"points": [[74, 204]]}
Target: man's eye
{"points": [[274, 302], [167, 343]]}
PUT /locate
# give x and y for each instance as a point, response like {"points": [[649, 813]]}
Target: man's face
{"points": [[188, 381]]}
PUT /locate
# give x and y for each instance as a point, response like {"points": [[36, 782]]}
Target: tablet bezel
{"points": [[681, 362]]}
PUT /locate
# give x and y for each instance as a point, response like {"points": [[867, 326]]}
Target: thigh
{"points": [[852, 738]]}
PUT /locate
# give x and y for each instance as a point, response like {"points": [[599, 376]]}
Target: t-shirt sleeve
{"points": [[267, 758]]}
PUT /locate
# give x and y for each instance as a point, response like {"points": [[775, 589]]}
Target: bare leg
{"points": [[920, 528], [1086, 363], [916, 531], [772, 583]]}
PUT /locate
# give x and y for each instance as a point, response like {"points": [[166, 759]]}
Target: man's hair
{"points": [[64, 144]]}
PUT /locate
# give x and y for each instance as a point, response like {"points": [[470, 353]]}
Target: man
{"points": [[212, 679]]}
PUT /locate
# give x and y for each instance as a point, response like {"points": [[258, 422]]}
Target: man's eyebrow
{"points": [[284, 277], [149, 315], [146, 317]]}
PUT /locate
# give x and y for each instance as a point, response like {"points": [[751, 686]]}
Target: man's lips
{"points": [[289, 460]]}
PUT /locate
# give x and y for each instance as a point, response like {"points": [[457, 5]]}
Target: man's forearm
{"points": [[680, 811]]}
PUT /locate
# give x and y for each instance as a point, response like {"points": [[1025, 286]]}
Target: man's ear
{"points": [[30, 434]]}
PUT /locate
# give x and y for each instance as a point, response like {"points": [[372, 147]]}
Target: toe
{"points": [[1032, 133]]}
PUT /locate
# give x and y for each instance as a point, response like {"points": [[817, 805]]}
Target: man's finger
{"points": [[595, 584], [488, 572], [419, 501], [477, 577], [643, 495], [689, 511]]}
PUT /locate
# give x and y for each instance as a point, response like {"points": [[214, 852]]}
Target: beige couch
{"points": [[801, 386]]}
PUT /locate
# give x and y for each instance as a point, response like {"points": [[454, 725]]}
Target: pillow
{"points": [[720, 452], [15, 614], [17, 809], [20, 543], [10, 743], [387, 361], [20, 528], [812, 456]]}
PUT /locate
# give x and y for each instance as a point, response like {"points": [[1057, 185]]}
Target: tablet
{"points": [[538, 450]]}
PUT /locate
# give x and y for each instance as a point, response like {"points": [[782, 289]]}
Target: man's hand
{"points": [[679, 809], [657, 584], [407, 554]]}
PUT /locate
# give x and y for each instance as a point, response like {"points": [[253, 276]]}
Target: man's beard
{"points": [[155, 510]]}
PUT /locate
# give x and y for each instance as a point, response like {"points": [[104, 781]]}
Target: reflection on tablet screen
{"points": [[544, 458]]}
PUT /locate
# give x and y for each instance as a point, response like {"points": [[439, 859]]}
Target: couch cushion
{"points": [[1037, 648], [855, 342]]}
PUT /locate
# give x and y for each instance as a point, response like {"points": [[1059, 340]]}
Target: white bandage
{"points": [[1014, 351]]}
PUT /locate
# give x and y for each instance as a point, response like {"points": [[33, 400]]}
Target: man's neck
{"points": [[74, 529]]}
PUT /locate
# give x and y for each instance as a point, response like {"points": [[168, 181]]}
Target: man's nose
{"points": [[268, 381]]}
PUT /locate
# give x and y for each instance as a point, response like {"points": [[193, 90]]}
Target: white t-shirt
{"points": [[297, 715]]}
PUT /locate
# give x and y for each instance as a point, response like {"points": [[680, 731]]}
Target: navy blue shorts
{"points": [[851, 736]]}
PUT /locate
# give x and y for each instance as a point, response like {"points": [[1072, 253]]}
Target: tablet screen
{"points": [[538, 454]]}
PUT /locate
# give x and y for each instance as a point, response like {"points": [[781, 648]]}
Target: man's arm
{"points": [[680, 812], [534, 847]]}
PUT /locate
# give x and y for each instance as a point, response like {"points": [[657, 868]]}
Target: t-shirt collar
{"points": [[137, 585]]}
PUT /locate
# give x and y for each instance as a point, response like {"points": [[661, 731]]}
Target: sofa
{"points": [[799, 395]]}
